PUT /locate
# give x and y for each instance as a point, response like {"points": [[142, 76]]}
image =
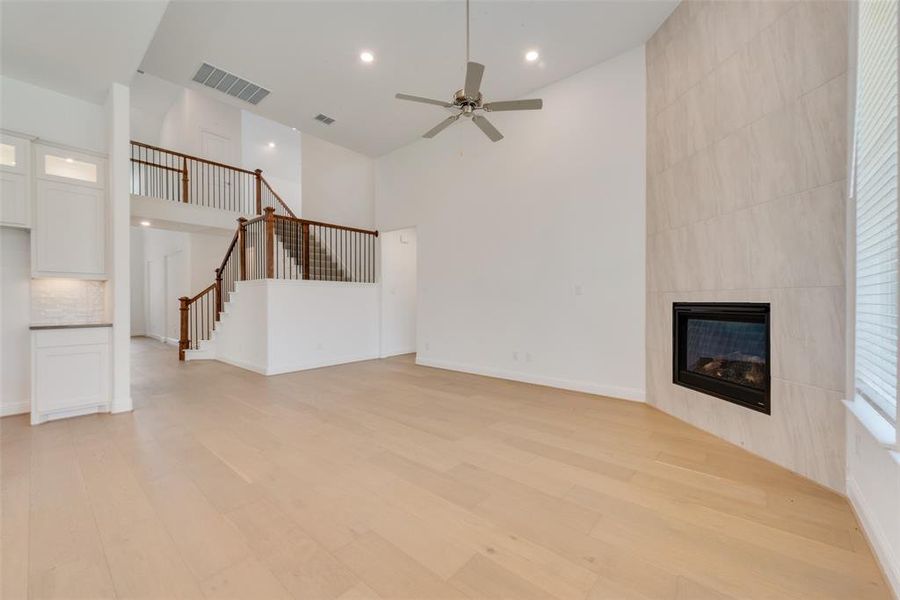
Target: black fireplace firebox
{"points": [[722, 349]]}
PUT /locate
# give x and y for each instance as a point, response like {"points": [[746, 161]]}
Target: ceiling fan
{"points": [[469, 101]]}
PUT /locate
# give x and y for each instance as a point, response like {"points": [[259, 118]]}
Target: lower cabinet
{"points": [[70, 372]]}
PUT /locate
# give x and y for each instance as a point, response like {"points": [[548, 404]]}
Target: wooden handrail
{"points": [[192, 157], [332, 225], [205, 290], [152, 164]]}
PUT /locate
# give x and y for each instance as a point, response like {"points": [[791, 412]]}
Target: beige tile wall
{"points": [[746, 173]]}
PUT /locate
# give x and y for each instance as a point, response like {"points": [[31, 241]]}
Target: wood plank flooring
{"points": [[382, 479]]}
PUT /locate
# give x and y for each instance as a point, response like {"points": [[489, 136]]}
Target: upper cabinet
{"points": [[15, 181], [68, 238]]}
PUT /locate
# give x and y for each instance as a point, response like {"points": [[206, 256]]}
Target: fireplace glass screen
{"points": [[723, 350]]}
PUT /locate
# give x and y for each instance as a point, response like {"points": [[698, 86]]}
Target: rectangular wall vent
{"points": [[228, 83], [324, 119]]}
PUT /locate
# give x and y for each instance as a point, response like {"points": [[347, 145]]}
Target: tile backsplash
{"points": [[67, 301]]}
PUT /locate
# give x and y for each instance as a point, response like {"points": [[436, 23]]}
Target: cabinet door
{"points": [[69, 377], [69, 237], [15, 177], [14, 205]]}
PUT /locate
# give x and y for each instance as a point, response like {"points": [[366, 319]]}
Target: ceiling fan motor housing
{"points": [[465, 103]]}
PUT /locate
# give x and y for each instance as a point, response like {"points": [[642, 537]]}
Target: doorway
{"points": [[398, 291]]}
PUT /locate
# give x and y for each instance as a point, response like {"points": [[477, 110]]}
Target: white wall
{"points": [[138, 316], [207, 252], [280, 165], [531, 250], [296, 325], [338, 184], [15, 316], [398, 291], [873, 485], [52, 116], [191, 114]]}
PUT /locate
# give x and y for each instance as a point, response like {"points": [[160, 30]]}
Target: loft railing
{"points": [[274, 246], [187, 179]]}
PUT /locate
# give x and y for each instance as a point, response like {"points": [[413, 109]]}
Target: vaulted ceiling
{"points": [[307, 54]]}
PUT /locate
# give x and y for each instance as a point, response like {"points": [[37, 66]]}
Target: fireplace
{"points": [[722, 349]]}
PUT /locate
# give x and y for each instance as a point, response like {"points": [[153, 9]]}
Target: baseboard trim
{"points": [[395, 352], [242, 365], [121, 406], [890, 565], [341, 360], [15, 408], [622, 393]]}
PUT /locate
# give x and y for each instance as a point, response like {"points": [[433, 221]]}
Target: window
{"points": [[874, 187], [70, 168], [7, 155]]}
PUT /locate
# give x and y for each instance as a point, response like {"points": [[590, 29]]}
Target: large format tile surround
{"points": [[746, 176]]}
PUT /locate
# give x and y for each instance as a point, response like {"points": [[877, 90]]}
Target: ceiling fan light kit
{"points": [[470, 102]]}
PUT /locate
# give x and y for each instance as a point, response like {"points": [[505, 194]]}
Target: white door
{"points": [[216, 181], [176, 287], [398, 292], [155, 293]]}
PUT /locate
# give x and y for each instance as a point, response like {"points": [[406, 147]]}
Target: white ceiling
{"points": [[307, 53], [76, 47]]}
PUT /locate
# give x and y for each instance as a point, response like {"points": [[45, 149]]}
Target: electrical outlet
{"points": [[578, 290], [515, 356], [427, 346], [528, 357]]}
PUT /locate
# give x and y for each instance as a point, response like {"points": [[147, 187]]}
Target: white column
{"points": [[118, 111]]}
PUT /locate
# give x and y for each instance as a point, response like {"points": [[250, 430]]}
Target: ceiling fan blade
{"points": [[474, 73], [534, 104], [441, 126], [423, 100], [488, 129]]}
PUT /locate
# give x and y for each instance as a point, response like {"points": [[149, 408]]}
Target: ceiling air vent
{"points": [[324, 119], [230, 84]]}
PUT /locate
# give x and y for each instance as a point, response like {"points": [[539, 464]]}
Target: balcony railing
{"points": [[187, 179]]}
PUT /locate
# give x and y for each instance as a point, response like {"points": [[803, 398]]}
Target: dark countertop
{"points": [[68, 325]]}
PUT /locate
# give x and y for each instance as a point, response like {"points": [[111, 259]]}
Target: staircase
{"points": [[323, 265], [274, 244]]}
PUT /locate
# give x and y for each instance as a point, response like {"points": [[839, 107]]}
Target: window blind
{"points": [[875, 190]]}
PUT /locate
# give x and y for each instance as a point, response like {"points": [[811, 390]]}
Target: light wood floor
{"points": [[386, 480]]}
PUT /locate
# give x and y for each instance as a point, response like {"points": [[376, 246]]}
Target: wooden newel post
{"points": [[184, 180], [304, 235], [242, 250], [270, 242], [259, 210], [218, 294], [183, 341]]}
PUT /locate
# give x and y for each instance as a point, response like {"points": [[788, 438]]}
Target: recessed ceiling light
{"points": [[271, 144], [293, 129], [366, 56], [532, 55], [70, 160], [145, 223]]}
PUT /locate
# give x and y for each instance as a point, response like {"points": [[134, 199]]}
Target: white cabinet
{"points": [[70, 372], [70, 214], [15, 181]]}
